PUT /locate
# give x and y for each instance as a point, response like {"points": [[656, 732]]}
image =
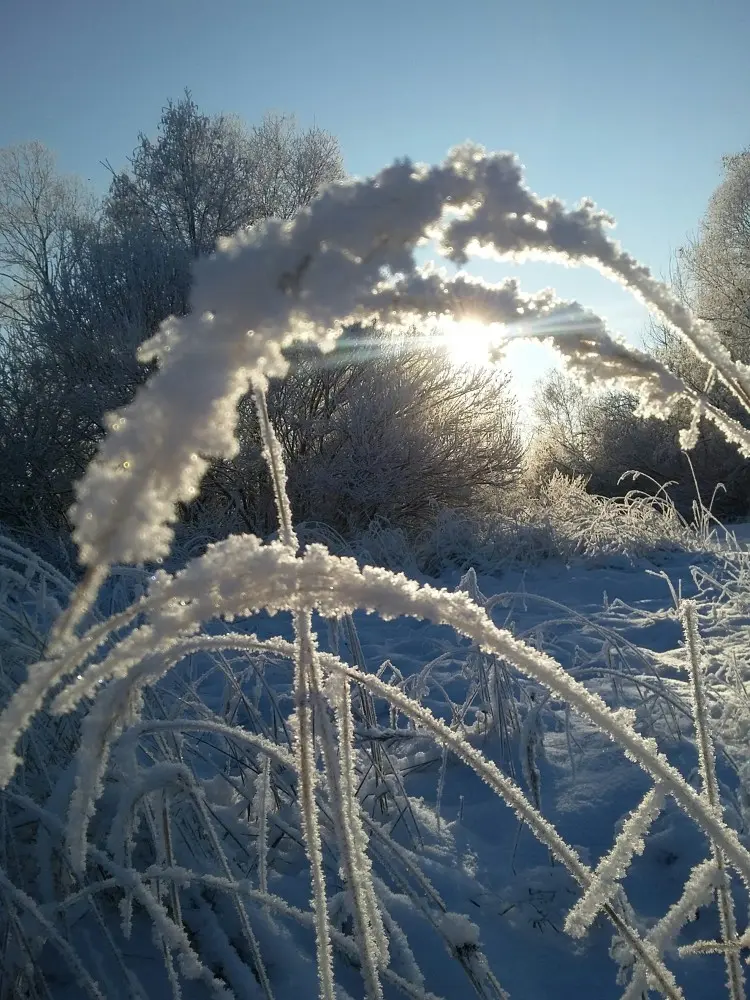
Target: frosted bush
{"points": [[349, 257], [635, 524], [564, 522]]}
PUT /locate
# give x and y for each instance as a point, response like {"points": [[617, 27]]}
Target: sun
{"points": [[467, 342]]}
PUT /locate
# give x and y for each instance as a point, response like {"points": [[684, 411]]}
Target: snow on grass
{"points": [[610, 624]]}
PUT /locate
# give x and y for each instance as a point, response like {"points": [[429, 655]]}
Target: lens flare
{"points": [[470, 342]]}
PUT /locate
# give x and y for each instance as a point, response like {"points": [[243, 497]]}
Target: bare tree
{"points": [[38, 210]]}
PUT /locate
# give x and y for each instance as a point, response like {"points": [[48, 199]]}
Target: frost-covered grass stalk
{"points": [[348, 257], [707, 759]]}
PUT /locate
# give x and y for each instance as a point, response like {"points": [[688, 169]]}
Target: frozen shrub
{"points": [[382, 429], [565, 521], [598, 436]]}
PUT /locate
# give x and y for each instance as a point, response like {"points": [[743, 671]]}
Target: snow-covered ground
{"points": [[612, 624]]}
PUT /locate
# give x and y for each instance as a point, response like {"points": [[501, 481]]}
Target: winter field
{"points": [[285, 769], [472, 891]]}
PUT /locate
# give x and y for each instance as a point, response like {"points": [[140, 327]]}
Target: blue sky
{"points": [[631, 104]]}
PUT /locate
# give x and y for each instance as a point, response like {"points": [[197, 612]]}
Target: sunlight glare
{"points": [[525, 359], [470, 342]]}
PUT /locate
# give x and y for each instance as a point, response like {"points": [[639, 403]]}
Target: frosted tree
{"points": [[600, 436], [83, 285], [717, 264], [39, 210], [711, 274], [206, 176], [73, 359]]}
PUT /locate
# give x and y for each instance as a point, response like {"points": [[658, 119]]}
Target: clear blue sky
{"points": [[631, 104]]}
